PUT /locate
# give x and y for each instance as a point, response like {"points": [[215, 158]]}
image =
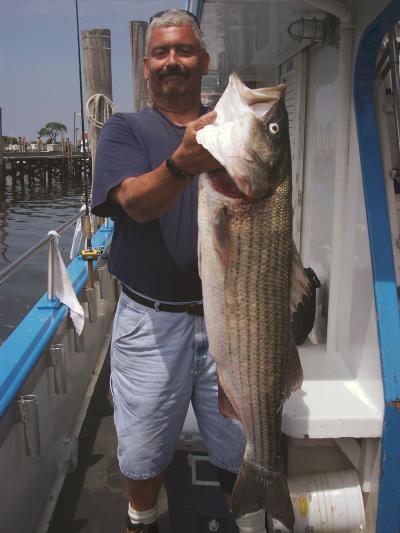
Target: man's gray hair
{"points": [[175, 17]]}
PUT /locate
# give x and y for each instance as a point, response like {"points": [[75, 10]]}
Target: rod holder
{"points": [[28, 413], [105, 282], [78, 341], [92, 303], [59, 364]]}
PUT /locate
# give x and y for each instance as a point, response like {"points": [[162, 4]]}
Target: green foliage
{"points": [[51, 130], [7, 139]]}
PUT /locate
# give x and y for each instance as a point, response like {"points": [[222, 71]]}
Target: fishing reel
{"points": [[92, 254]]}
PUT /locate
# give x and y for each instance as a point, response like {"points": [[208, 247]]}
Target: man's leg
{"points": [[143, 492], [151, 384], [142, 509], [227, 481]]}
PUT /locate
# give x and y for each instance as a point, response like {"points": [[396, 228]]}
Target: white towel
{"points": [[63, 288], [77, 241]]}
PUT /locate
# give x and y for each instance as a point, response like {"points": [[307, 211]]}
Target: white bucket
{"points": [[326, 502]]}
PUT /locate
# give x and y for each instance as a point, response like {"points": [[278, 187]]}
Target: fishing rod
{"points": [[88, 254]]}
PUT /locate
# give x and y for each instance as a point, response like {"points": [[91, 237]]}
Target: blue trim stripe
{"points": [[199, 7], [388, 518], [21, 350], [199, 10], [375, 200]]}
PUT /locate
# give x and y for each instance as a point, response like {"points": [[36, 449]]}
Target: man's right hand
{"points": [[190, 156], [147, 197]]}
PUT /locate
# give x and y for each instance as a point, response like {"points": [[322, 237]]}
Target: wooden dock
{"points": [[42, 164]]}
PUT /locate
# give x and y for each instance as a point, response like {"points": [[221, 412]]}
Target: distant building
{"points": [[54, 147]]}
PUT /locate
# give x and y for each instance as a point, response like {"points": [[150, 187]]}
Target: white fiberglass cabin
{"points": [[340, 62]]}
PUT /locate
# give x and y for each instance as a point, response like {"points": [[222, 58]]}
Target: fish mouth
{"points": [[237, 188]]}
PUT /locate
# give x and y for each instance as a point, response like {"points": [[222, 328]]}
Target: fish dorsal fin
{"points": [[300, 283]]}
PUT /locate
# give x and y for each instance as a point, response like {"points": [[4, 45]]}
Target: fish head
{"points": [[267, 161], [264, 160], [250, 139]]}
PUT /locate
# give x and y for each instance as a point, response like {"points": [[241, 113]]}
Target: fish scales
{"points": [[254, 315], [247, 264]]}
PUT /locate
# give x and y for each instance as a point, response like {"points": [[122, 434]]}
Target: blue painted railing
{"points": [[195, 6], [388, 517], [22, 349]]}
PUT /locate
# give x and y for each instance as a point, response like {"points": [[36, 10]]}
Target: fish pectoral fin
{"points": [[220, 234], [224, 404], [294, 374], [300, 283], [257, 488]]}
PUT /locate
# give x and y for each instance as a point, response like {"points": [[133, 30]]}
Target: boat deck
{"points": [[94, 497]]}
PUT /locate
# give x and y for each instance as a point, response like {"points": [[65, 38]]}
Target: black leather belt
{"points": [[192, 309]]}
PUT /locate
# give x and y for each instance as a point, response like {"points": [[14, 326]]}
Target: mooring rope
{"points": [[98, 109]]}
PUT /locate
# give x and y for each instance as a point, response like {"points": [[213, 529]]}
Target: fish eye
{"points": [[273, 128]]}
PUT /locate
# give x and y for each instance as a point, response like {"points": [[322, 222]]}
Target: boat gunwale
{"points": [[22, 349]]}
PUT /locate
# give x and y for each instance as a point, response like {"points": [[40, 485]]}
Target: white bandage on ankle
{"points": [[143, 517], [252, 522]]}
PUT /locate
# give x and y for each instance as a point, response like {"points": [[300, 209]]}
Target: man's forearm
{"points": [[147, 197]]}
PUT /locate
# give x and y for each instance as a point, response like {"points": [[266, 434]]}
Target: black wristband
{"points": [[177, 172]]}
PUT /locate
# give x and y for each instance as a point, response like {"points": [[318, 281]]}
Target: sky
{"points": [[39, 80]]}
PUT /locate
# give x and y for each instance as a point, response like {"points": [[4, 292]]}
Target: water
{"points": [[29, 208]]}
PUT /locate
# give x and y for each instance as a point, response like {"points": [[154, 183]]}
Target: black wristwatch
{"points": [[177, 172]]}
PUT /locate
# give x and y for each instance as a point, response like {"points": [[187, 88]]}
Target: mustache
{"points": [[173, 71]]}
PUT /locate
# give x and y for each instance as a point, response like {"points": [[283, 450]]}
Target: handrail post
{"points": [[50, 272]]}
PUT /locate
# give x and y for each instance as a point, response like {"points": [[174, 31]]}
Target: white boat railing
{"points": [[13, 267]]}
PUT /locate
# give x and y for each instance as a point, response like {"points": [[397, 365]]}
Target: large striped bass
{"points": [[252, 277]]}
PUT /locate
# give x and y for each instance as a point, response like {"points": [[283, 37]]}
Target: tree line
{"points": [[48, 133]]}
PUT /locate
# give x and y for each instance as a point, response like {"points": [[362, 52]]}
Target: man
{"points": [[146, 179]]}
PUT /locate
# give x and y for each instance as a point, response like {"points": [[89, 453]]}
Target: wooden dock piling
{"points": [[137, 30], [96, 46], [98, 79]]}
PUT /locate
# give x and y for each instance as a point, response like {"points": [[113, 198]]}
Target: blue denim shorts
{"points": [[159, 363]]}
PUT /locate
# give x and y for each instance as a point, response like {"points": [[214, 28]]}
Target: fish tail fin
{"points": [[257, 488]]}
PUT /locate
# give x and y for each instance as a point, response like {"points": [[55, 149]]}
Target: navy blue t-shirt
{"points": [[157, 258]]}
